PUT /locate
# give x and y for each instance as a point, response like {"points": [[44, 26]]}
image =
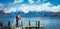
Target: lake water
{"points": [[46, 22]]}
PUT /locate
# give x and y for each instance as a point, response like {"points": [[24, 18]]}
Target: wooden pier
{"points": [[6, 27], [30, 26]]}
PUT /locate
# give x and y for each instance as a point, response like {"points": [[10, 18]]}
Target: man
{"points": [[18, 17]]}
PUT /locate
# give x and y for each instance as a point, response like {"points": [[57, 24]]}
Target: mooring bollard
{"points": [[1, 25], [8, 24]]}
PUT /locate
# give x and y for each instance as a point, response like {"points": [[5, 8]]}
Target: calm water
{"points": [[47, 22]]}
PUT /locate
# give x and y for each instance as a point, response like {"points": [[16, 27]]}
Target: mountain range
{"points": [[37, 14]]}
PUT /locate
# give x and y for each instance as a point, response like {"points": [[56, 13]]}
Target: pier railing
{"points": [[23, 26], [30, 24]]}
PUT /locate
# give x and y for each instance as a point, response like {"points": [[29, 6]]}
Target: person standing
{"points": [[18, 17]]}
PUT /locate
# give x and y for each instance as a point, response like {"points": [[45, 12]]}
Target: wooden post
{"points": [[30, 24], [16, 23], [22, 24], [1, 27], [37, 24], [8, 24]]}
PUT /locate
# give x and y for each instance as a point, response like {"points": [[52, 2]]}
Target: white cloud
{"points": [[56, 8], [38, 1], [38, 8], [18, 1], [11, 7], [34, 7], [30, 1], [9, 10], [1, 6], [43, 7]]}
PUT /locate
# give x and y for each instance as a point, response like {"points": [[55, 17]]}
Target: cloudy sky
{"points": [[9, 6]]}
